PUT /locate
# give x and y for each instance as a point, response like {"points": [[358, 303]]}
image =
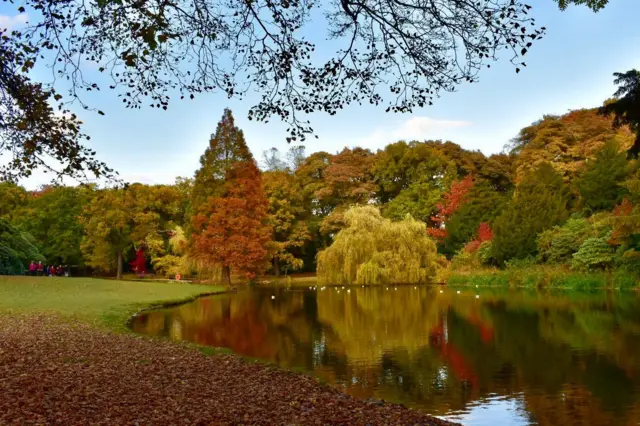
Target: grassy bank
{"points": [[293, 280], [104, 303], [544, 276]]}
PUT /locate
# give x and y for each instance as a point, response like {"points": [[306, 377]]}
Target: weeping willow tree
{"points": [[371, 249]]}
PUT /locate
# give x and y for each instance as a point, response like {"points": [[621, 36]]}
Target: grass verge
{"points": [[544, 276], [294, 280], [102, 303]]}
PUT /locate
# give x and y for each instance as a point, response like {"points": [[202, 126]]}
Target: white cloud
{"points": [[12, 22], [414, 128]]}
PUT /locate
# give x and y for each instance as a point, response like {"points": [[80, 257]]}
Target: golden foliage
{"points": [[374, 250]]}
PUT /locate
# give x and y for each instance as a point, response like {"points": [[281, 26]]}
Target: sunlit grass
{"points": [[104, 303]]}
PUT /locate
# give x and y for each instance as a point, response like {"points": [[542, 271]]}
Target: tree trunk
{"points": [[276, 266], [119, 274], [226, 274]]}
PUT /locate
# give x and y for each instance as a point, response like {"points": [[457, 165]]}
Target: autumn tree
{"points": [[272, 159], [226, 147], [565, 142], [401, 164], [626, 228], [286, 218], [147, 53], [482, 235], [118, 219], [347, 178], [452, 200], [332, 183], [12, 197], [466, 162], [139, 263], [539, 203], [230, 210], [232, 230], [498, 171]]}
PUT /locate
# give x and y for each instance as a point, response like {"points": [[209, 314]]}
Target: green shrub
{"points": [[526, 262], [594, 254], [557, 245]]}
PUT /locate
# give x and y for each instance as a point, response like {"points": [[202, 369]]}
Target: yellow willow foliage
{"points": [[373, 250]]}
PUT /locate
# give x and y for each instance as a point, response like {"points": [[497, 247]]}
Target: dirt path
{"points": [[53, 372]]}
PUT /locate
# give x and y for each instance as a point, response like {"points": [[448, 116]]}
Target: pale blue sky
{"points": [[570, 68]]}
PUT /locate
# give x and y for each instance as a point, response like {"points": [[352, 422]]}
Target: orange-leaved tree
{"points": [[231, 229]]}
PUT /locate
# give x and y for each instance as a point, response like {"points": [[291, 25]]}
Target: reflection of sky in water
{"points": [[492, 411]]}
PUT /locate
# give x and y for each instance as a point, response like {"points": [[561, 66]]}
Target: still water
{"points": [[480, 357]]}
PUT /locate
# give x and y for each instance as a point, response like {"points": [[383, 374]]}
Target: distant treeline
{"points": [[563, 191]]}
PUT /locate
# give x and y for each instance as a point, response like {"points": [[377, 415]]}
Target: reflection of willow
{"points": [[568, 356], [369, 322], [395, 347]]}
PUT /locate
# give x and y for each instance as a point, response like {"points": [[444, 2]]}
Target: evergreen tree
{"points": [[626, 106], [601, 184], [540, 202], [483, 204], [226, 146]]}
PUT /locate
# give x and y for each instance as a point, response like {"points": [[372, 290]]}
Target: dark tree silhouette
{"points": [[398, 53], [596, 5], [626, 107], [31, 132]]}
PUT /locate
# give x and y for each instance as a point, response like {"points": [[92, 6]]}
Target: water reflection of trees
{"points": [[568, 356]]}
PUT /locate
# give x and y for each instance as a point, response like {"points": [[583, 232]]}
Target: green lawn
{"points": [[99, 302]]}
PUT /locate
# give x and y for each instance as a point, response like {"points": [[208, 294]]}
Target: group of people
{"points": [[38, 269]]}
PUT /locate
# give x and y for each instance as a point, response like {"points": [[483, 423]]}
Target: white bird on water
{"points": [[272, 297]]}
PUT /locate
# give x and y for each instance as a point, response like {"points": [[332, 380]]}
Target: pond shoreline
{"points": [[103, 377], [173, 303]]}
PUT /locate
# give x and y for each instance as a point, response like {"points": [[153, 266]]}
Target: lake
{"points": [[476, 356]]}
